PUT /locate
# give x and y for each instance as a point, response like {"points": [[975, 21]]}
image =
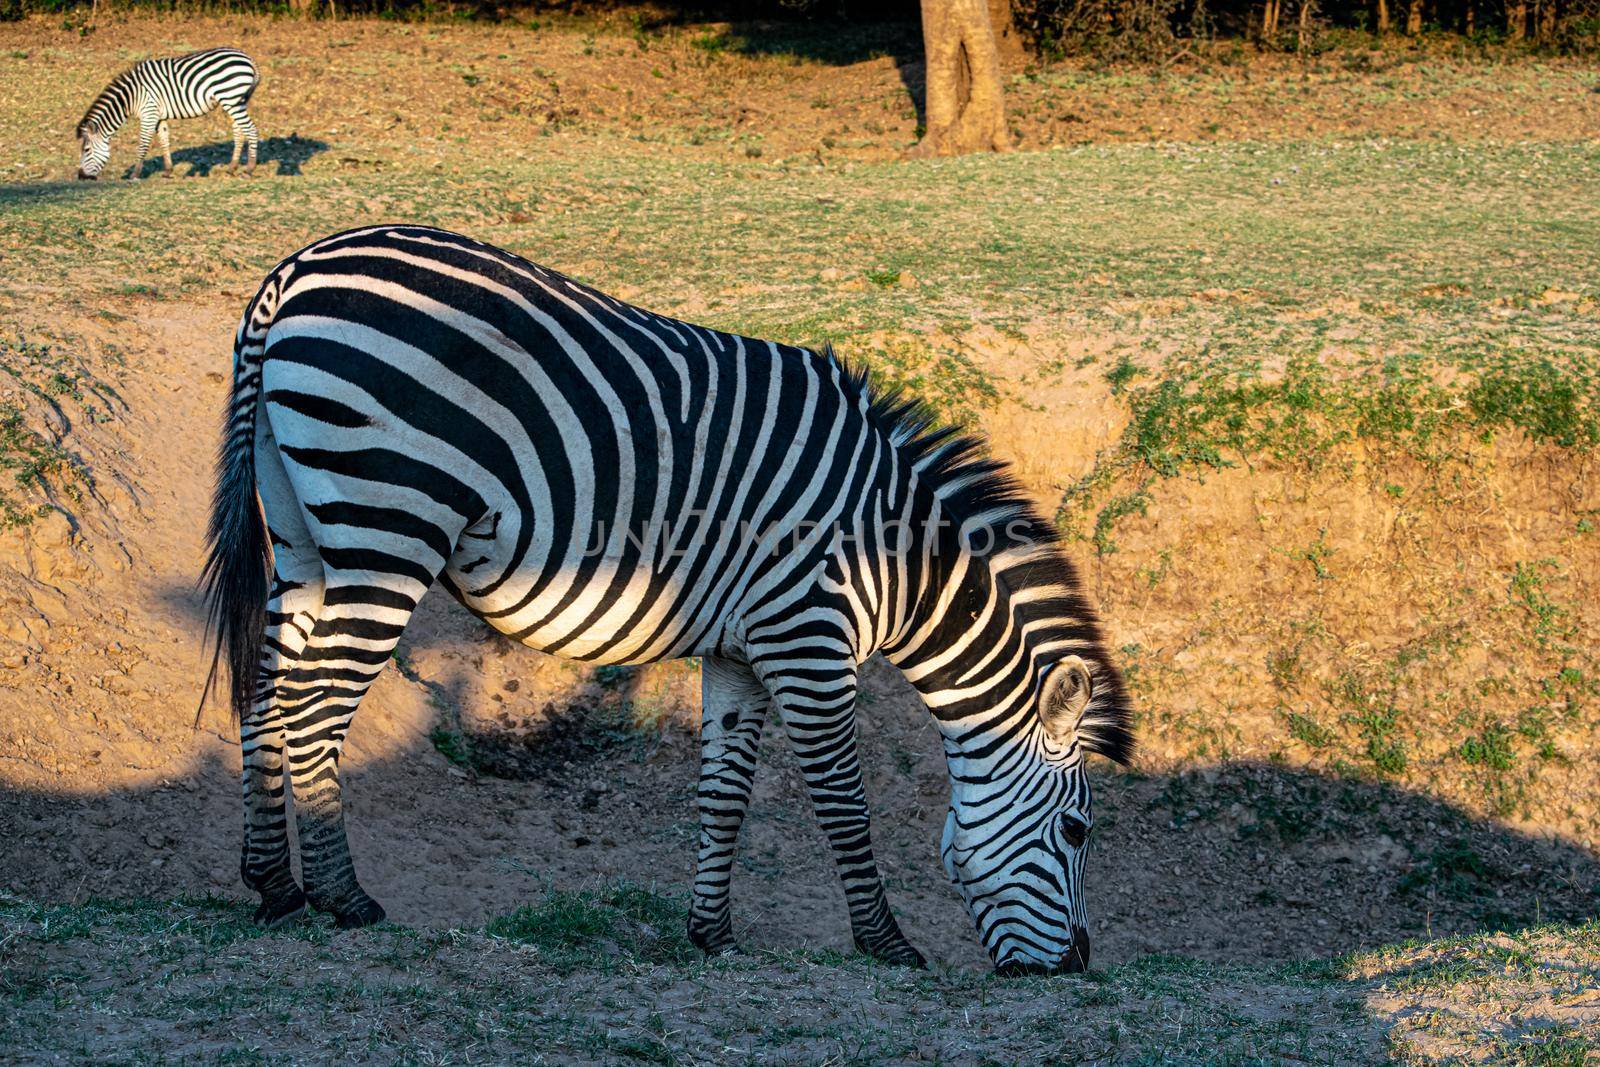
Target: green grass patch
{"points": [[211, 922], [1308, 731], [451, 744], [624, 920], [1545, 401], [1530, 589], [1197, 414], [35, 469], [1377, 720], [1455, 871]]}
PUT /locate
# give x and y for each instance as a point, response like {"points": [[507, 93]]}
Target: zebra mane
{"points": [[959, 469], [102, 103]]}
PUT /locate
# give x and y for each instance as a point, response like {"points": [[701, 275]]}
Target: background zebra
{"points": [[176, 87], [618, 487]]}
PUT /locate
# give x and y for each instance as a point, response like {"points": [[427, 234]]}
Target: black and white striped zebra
{"points": [[175, 87], [618, 487]]}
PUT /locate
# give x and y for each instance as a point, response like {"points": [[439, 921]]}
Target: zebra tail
{"points": [[235, 578]]}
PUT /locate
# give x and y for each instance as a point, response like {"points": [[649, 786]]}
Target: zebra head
{"points": [[1018, 830], [96, 145]]}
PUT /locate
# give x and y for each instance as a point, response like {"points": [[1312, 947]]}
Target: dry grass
{"points": [[606, 976]]}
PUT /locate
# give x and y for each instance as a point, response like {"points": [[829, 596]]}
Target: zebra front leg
{"points": [[817, 707], [733, 710], [147, 129], [166, 146]]}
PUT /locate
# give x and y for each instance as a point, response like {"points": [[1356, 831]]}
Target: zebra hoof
{"points": [[281, 910], [727, 950], [714, 939], [897, 954], [364, 912]]}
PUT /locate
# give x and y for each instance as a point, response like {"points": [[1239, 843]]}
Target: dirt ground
{"points": [[111, 789]]}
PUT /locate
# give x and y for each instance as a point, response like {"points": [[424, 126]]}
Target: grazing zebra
{"points": [[617, 487], [177, 87]]}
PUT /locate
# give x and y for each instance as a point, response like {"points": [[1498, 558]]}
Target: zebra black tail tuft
{"points": [[239, 560]]}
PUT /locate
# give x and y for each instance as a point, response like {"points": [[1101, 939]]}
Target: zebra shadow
{"points": [[499, 723], [560, 738], [289, 153], [1230, 861]]}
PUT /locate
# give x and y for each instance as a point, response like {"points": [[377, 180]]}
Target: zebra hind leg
{"points": [[378, 561], [352, 640], [734, 708], [166, 146], [294, 602], [819, 719], [244, 130], [264, 865]]}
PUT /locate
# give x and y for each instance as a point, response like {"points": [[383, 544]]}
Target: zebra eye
{"points": [[1074, 830]]}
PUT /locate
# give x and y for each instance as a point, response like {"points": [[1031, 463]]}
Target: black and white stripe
{"points": [[176, 87], [618, 487]]}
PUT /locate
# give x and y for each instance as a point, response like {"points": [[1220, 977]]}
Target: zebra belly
{"points": [[600, 607], [188, 109]]}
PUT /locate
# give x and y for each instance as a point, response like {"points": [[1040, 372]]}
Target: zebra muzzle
{"points": [[1074, 961]]}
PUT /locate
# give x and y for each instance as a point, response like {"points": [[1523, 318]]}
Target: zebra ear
{"points": [[1066, 695]]}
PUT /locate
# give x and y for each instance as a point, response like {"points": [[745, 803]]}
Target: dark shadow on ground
{"points": [[1231, 862], [1250, 860], [32, 192], [1237, 860], [570, 740], [841, 44], [288, 154], [835, 43], [568, 736]]}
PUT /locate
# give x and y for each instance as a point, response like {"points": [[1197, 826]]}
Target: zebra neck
{"points": [[970, 653], [110, 111]]}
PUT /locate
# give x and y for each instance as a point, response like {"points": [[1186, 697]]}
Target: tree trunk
{"points": [[1269, 21], [1516, 19], [1414, 18], [1545, 19], [1007, 38], [1305, 25], [1383, 16], [965, 100]]}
